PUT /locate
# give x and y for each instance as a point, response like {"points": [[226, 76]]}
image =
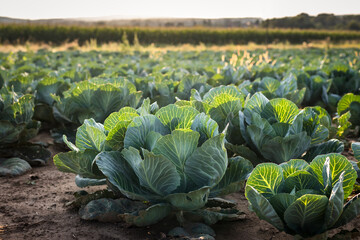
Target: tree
{"points": [[353, 25]]}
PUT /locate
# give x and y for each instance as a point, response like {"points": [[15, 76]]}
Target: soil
{"points": [[32, 206]]}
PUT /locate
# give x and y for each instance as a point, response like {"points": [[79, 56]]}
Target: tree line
{"points": [[321, 21]]}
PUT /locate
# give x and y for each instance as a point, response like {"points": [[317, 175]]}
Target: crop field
{"points": [[210, 143], [58, 34]]}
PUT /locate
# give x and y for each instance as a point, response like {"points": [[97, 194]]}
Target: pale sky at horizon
{"points": [[39, 9]]}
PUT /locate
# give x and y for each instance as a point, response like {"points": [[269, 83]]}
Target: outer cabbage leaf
{"points": [[13, 167], [280, 149], [356, 149], [237, 172], [338, 164], [118, 171], [336, 203], [190, 201], [306, 215], [81, 163], [293, 166], [139, 129], [351, 210], [207, 165], [331, 146], [175, 117], [350, 102], [262, 207], [267, 179], [91, 135]]}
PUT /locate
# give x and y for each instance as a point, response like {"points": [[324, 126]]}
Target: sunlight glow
{"points": [[39, 9]]}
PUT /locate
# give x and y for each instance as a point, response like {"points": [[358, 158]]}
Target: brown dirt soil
{"points": [[32, 208]]}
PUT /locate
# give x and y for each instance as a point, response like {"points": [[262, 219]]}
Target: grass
{"points": [[116, 46]]}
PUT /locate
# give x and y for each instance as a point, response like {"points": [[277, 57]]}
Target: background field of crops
{"points": [[59, 34]]}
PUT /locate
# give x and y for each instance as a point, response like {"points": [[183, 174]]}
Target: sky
{"points": [[40, 9]]}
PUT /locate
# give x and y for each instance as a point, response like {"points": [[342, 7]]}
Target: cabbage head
{"points": [[273, 88], [94, 98], [16, 112], [175, 157], [222, 104], [344, 79], [16, 128], [304, 199], [92, 138], [348, 110], [277, 130]]}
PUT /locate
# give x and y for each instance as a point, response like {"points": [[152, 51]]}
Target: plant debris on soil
{"points": [[33, 206]]}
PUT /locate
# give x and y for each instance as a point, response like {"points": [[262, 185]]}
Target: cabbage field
{"points": [[256, 144]]}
